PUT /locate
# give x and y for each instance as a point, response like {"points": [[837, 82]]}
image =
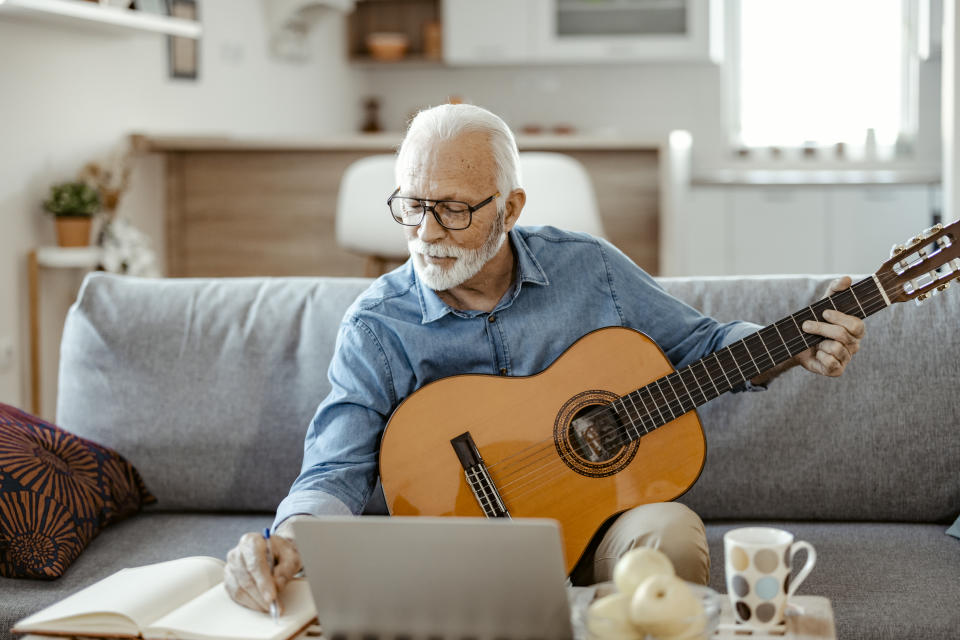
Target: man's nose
{"points": [[430, 230]]}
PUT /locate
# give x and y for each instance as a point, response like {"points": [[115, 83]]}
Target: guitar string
{"points": [[670, 404], [617, 433], [868, 300], [547, 459], [712, 368], [537, 480]]}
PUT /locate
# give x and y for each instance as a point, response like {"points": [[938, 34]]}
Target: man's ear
{"points": [[514, 205]]}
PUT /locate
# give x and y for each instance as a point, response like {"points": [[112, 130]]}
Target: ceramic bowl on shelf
{"points": [[387, 45], [701, 627]]}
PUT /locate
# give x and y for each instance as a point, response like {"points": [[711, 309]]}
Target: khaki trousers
{"points": [[671, 527]]}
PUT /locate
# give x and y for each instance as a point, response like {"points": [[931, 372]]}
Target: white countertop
{"points": [[386, 142]]}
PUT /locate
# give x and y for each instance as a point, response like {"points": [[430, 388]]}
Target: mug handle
{"points": [[807, 566]]}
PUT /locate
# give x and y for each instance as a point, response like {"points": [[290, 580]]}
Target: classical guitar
{"points": [[610, 423]]}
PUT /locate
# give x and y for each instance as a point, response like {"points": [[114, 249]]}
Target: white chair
{"points": [[559, 193]]}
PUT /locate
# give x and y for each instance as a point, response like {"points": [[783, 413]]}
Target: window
{"points": [[822, 71]]}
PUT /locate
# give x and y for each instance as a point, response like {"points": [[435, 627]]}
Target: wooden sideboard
{"points": [[245, 207]]}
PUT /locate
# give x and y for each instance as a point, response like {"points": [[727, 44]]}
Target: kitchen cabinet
{"points": [[488, 32], [746, 229], [581, 31]]}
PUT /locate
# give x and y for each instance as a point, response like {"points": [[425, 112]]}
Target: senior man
{"points": [[481, 295]]}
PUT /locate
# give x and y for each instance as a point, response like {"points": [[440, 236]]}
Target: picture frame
{"points": [[184, 53]]}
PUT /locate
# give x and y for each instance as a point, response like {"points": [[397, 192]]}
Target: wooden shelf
{"points": [[76, 13], [407, 62], [69, 257]]}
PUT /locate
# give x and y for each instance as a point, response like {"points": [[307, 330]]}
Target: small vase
{"points": [[73, 231]]}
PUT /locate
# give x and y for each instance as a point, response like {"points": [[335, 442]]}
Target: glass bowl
{"points": [[698, 628]]}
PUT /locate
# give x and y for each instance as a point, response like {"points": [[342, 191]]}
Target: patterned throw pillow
{"points": [[57, 491]]}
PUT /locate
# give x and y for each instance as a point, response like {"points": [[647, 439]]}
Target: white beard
{"points": [[468, 262]]}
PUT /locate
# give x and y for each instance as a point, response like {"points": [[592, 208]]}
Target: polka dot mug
{"points": [[758, 563]]}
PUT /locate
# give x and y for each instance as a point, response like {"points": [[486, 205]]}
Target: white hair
{"points": [[449, 121]]}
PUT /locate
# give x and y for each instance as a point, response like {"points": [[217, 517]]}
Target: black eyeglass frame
{"points": [[432, 209]]}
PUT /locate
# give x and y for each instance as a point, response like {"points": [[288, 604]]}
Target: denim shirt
{"points": [[399, 335]]}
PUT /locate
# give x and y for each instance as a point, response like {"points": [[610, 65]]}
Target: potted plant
{"points": [[73, 205]]}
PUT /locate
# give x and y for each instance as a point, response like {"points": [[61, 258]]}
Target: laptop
{"points": [[385, 578]]}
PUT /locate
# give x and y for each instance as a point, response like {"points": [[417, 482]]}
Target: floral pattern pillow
{"points": [[57, 491]]}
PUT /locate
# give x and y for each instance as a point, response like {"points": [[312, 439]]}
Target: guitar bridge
{"points": [[478, 477]]}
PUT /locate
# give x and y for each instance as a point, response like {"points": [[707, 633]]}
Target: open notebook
{"points": [[183, 598]]}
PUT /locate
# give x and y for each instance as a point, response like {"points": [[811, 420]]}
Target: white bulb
{"points": [[608, 619], [665, 606], [637, 565]]}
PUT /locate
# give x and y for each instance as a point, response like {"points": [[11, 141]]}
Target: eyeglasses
{"points": [[451, 214]]}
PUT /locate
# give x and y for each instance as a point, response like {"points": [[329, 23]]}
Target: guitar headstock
{"points": [[923, 266]]}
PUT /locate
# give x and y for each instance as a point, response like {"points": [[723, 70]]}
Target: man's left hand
{"points": [[843, 334]]}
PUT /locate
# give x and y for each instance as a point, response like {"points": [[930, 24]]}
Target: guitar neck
{"points": [[673, 395]]}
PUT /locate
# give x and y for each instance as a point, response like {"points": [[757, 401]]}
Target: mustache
{"points": [[416, 245]]}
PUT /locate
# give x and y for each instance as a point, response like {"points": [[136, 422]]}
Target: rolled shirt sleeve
{"points": [[339, 468]]}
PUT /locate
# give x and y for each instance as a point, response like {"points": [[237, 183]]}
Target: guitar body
{"points": [[522, 428]]}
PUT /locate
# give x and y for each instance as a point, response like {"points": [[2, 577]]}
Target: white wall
{"points": [[644, 100], [69, 96]]}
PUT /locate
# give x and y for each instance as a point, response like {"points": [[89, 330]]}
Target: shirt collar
{"points": [[528, 271]]}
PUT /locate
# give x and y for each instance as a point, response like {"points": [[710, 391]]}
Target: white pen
{"points": [[274, 611]]}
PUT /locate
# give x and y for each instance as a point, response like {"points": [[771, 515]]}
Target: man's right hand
{"points": [[247, 577]]}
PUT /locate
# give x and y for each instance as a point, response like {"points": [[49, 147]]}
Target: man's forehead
{"points": [[433, 163]]}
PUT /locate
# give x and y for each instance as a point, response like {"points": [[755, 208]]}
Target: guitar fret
{"points": [[747, 348], [629, 418], [681, 397], [666, 401], [802, 335], [653, 400], [775, 354], [722, 369], [673, 389], [735, 348], [642, 415], [734, 358], [639, 417], [785, 345], [694, 375], [854, 293], [689, 395], [751, 347], [773, 361], [709, 377]]}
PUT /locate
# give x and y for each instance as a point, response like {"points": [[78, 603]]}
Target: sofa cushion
{"points": [[144, 539], [206, 385], [57, 491]]}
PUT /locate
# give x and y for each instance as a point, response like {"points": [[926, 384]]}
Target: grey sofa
{"points": [[207, 387]]}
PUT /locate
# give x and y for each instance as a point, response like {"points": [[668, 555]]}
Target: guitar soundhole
{"points": [[589, 438], [595, 434]]}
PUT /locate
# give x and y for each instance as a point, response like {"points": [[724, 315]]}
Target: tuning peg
{"points": [[897, 249], [943, 287], [934, 230], [916, 240]]}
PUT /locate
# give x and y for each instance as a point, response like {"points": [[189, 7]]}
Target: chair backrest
{"points": [[363, 222], [559, 193]]}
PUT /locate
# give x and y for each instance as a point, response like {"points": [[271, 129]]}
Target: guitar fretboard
{"points": [[673, 395]]}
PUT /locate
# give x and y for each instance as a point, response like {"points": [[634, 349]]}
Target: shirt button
{"points": [[503, 371], [492, 318]]}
